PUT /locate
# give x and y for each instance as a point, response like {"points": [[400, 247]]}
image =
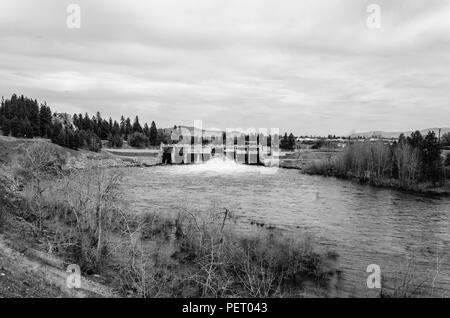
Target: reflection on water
{"points": [[363, 224]]}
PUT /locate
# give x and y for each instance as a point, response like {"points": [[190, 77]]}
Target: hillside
{"points": [[78, 159], [385, 134]]}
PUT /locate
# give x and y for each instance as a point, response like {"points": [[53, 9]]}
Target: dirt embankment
{"points": [[10, 147], [26, 272]]}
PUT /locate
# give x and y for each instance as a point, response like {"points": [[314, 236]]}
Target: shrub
{"points": [[115, 141], [138, 140], [38, 163], [227, 264], [86, 207], [94, 142], [318, 144]]}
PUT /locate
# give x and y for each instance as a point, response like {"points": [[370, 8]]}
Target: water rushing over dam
{"points": [[244, 154]]}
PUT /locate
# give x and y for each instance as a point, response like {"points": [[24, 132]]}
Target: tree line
{"points": [[410, 160], [24, 117], [287, 142]]}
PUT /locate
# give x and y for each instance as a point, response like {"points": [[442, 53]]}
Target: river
{"points": [[364, 225]]}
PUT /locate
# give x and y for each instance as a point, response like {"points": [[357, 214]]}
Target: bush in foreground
{"points": [[210, 259]]}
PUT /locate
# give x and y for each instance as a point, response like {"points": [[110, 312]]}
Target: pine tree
{"points": [[284, 141], [415, 140], [291, 141], [45, 115], [136, 126], [153, 134], [128, 128], [16, 127], [27, 129], [116, 129], [146, 130], [431, 157], [6, 129], [34, 118], [122, 126]]}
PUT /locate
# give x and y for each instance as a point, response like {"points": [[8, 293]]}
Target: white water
{"points": [[219, 166]]}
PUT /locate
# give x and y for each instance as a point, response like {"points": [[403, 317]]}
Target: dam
{"points": [[243, 154]]}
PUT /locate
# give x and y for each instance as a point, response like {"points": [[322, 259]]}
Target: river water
{"points": [[399, 232]]}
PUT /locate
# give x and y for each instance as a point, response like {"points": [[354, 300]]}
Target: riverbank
{"points": [[331, 165], [420, 189]]}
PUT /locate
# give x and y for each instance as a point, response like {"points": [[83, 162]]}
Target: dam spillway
{"points": [[192, 154]]}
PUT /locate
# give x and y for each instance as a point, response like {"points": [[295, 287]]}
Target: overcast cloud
{"points": [[311, 67]]}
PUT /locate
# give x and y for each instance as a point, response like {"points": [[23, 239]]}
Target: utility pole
{"points": [[439, 134]]}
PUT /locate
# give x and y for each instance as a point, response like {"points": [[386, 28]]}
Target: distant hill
{"points": [[384, 134]]}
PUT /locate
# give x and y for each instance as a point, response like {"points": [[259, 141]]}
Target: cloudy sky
{"points": [[310, 67]]}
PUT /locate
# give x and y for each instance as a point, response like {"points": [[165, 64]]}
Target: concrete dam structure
{"points": [[244, 154]]}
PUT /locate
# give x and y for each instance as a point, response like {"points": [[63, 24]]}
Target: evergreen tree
{"points": [[153, 134], [128, 128], [431, 157], [16, 127], [122, 126], [27, 129], [146, 130], [75, 120], [88, 125], [45, 115], [284, 144], [291, 142], [55, 133], [136, 126], [415, 140], [116, 129], [105, 129], [34, 121], [5, 125]]}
